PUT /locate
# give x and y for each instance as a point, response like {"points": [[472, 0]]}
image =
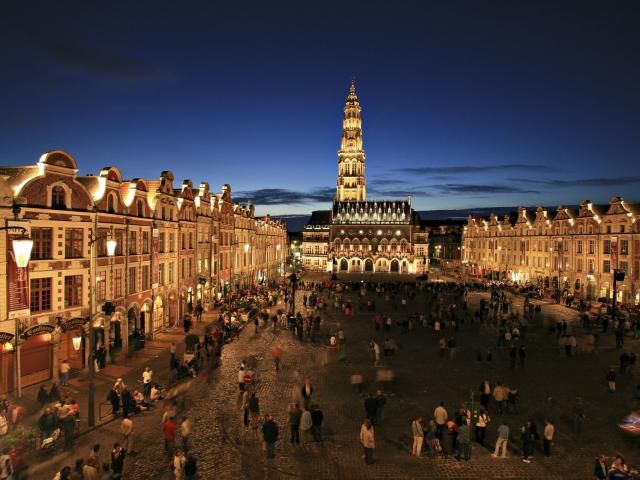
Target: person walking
{"points": [[317, 418], [254, 411], [527, 443], [270, 435], [241, 379], [417, 430], [367, 439], [245, 408], [464, 439], [500, 396], [126, 429], [118, 455], [624, 363], [169, 430], [178, 464], [548, 433], [522, 353], [611, 380], [306, 423], [185, 433], [381, 401], [190, 468], [370, 407], [306, 392], [502, 441], [485, 393], [64, 372], [481, 426], [294, 423]]}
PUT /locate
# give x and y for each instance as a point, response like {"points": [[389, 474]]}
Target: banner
{"points": [[614, 253], [154, 257], [18, 280]]}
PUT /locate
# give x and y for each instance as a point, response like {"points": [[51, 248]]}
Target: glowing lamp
{"points": [[22, 250], [278, 247], [111, 247], [76, 342], [8, 347], [246, 247], [46, 337]]}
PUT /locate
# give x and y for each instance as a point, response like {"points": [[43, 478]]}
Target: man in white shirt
{"points": [[147, 375], [441, 415]]}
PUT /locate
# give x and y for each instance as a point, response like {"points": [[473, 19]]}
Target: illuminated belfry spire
{"points": [[351, 183]]}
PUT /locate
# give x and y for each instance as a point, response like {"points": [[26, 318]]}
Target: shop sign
{"points": [[37, 330], [73, 323], [5, 337]]}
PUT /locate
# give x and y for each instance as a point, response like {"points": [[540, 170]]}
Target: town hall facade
{"points": [[358, 235]]}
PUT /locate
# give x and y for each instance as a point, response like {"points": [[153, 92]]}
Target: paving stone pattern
{"points": [[225, 450]]}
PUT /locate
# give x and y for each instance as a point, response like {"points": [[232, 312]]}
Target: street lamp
{"points": [[22, 246], [111, 250]]}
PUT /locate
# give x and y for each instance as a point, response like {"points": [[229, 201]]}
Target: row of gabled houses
{"points": [[178, 246], [571, 250]]}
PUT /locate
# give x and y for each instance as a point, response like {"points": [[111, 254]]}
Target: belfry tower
{"points": [[351, 183]]}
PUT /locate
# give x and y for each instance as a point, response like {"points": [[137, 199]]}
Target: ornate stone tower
{"points": [[351, 183]]}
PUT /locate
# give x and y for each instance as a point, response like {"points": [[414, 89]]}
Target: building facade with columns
{"points": [[358, 235], [574, 250], [172, 251]]}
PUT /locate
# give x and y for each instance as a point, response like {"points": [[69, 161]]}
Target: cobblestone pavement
{"points": [[225, 450]]}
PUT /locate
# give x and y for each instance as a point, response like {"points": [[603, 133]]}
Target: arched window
{"points": [[58, 197], [140, 208], [110, 207]]}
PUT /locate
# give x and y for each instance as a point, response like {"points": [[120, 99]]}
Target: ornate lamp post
{"points": [[111, 250]]}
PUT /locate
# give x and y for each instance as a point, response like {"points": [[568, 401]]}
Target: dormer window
{"points": [[58, 197], [110, 207]]}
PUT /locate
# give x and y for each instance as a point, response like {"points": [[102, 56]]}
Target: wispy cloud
{"points": [[458, 169], [580, 182], [281, 196], [463, 188]]}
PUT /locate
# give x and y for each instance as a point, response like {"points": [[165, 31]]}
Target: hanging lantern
{"points": [[22, 250], [8, 347], [77, 340], [246, 247], [111, 247]]}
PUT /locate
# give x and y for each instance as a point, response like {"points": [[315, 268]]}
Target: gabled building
{"points": [[573, 250], [173, 248]]}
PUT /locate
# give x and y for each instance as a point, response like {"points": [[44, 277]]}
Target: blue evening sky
{"points": [[465, 103]]}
